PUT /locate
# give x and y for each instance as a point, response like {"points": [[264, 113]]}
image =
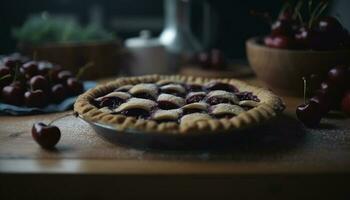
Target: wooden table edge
{"points": [[157, 167]]}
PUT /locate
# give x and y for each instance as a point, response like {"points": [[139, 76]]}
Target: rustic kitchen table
{"points": [[291, 162]]}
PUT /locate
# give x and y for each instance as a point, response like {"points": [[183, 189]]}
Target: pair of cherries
{"points": [[210, 59], [332, 94]]}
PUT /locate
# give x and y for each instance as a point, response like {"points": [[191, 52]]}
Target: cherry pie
{"points": [[178, 104]]}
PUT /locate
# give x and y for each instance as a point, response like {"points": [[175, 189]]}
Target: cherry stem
{"points": [[314, 13], [321, 10], [16, 73], [5, 76], [297, 11], [35, 54], [83, 69], [61, 117], [304, 83]]}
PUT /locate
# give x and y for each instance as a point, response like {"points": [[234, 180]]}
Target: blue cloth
{"points": [[6, 109]]}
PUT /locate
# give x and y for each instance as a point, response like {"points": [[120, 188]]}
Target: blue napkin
{"points": [[6, 109]]}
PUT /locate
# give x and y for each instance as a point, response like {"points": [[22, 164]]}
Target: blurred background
{"points": [[224, 25]]}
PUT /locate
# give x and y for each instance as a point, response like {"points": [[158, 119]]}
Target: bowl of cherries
{"points": [[28, 83], [302, 41]]}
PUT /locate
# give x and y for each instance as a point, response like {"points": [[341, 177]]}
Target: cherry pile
{"points": [[31, 83], [211, 59], [294, 29], [333, 93]]}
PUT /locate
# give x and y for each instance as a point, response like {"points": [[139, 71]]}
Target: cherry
{"points": [[204, 59], [11, 62], [74, 86], [44, 68], [337, 75], [64, 75], [39, 82], [58, 92], [53, 73], [217, 59], [280, 42], [345, 103], [282, 27], [167, 105], [303, 37], [323, 100], [46, 136], [36, 98], [12, 94], [195, 98], [310, 114], [329, 25], [29, 69], [221, 86]]}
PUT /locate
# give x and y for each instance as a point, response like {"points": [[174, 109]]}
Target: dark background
{"points": [[127, 17]]}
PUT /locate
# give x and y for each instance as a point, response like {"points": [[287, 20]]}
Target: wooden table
{"points": [[291, 162]]}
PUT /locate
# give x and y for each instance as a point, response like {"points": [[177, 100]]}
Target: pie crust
{"points": [[269, 105]]}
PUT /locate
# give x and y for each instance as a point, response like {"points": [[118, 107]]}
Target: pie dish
{"points": [[175, 104]]}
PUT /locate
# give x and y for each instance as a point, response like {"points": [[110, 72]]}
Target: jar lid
{"points": [[144, 40]]}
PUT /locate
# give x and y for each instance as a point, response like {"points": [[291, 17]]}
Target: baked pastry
{"points": [[178, 104]]}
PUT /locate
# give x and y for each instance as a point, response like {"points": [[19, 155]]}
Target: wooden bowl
{"points": [[282, 70], [106, 56]]}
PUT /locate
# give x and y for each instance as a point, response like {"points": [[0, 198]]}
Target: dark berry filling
{"points": [[194, 88], [192, 110], [166, 120], [217, 100], [195, 98], [167, 105], [121, 90], [221, 86], [247, 96], [144, 96], [136, 112], [110, 102]]}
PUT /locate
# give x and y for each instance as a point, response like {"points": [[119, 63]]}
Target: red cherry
{"points": [[345, 103], [12, 94], [64, 75], [329, 25], [337, 75], [39, 82], [53, 74], [74, 86], [280, 42], [11, 62], [29, 69], [303, 37], [217, 59], [282, 27], [36, 98], [46, 136], [204, 59], [309, 114], [58, 92]]}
